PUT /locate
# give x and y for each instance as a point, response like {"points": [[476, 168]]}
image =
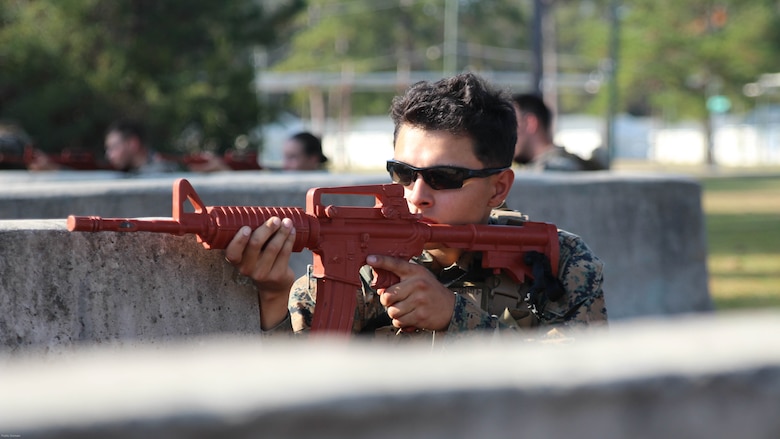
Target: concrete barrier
{"points": [[715, 377], [648, 229], [60, 287], [24, 196]]}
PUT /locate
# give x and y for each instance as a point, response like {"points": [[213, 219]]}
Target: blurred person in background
{"points": [[303, 152], [127, 150], [535, 149], [14, 142], [300, 152], [18, 151]]}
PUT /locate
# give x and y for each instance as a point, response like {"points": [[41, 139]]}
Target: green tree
{"points": [[676, 54], [672, 54], [393, 35], [182, 66]]}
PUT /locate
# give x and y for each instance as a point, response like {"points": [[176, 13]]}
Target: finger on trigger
{"points": [[382, 262], [399, 267]]}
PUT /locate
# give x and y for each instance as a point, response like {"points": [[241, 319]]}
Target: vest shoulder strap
{"points": [[504, 216]]}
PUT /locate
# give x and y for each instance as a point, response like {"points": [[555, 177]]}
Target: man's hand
{"points": [[264, 256], [208, 162], [418, 300]]}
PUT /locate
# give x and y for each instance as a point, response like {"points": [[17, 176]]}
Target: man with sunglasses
{"points": [[453, 147]]}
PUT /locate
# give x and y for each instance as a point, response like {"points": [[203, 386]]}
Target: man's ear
{"points": [[501, 187], [531, 123]]}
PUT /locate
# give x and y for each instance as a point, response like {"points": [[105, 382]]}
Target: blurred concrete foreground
{"points": [[713, 377], [150, 334]]}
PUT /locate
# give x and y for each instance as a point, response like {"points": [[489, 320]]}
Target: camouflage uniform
{"points": [[559, 159], [156, 164], [483, 301]]}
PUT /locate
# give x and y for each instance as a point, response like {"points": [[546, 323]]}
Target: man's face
{"points": [[522, 146], [469, 204], [119, 150], [295, 158]]}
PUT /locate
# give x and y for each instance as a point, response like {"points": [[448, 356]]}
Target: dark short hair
{"points": [[464, 105], [128, 128], [312, 146], [534, 104]]}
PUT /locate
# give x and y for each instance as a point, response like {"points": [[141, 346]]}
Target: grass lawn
{"points": [[743, 236]]}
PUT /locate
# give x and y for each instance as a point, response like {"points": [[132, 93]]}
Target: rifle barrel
{"points": [[99, 224]]}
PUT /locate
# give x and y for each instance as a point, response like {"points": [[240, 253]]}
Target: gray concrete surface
{"points": [[648, 229], [26, 196], [715, 377], [58, 287]]}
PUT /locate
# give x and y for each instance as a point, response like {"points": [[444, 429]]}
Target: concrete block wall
{"points": [[58, 287], [715, 377]]}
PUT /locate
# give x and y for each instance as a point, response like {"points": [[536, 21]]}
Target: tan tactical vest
{"points": [[498, 294]]}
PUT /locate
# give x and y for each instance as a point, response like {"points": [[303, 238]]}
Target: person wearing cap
{"points": [[453, 145]]}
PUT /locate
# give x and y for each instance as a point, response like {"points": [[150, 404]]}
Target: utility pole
{"points": [[545, 53], [536, 48], [450, 37], [614, 51]]}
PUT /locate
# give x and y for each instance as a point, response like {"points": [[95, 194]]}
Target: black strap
{"points": [[545, 287]]}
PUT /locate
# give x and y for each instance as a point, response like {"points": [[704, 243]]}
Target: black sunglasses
{"points": [[437, 177]]}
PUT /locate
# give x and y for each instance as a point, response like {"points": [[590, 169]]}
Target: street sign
{"points": [[718, 104]]}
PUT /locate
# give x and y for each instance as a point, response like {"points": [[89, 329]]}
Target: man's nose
{"points": [[419, 193]]}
